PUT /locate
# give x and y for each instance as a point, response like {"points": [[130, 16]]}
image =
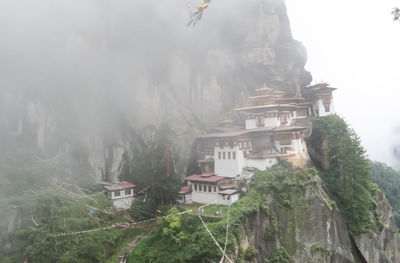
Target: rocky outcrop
{"points": [[382, 245], [311, 230]]}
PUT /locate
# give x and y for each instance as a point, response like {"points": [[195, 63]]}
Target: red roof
{"points": [[209, 178], [185, 190], [120, 186], [227, 186]]}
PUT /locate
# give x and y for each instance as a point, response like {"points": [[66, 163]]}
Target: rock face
{"points": [[384, 245], [311, 231], [132, 76]]}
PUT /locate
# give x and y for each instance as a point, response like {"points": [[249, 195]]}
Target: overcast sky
{"points": [[355, 46]]}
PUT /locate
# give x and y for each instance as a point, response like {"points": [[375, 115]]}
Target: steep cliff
{"points": [[186, 77], [310, 230], [335, 149], [382, 245], [287, 216]]}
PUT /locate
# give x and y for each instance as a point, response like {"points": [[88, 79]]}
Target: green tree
{"points": [[348, 176], [153, 165], [172, 227], [388, 180]]}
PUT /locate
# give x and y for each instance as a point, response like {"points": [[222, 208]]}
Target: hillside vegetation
{"points": [[388, 180], [54, 213], [345, 171], [185, 239]]}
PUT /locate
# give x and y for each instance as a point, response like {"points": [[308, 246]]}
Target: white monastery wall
{"points": [[225, 201], [123, 203], [204, 197], [271, 122], [231, 165], [251, 124], [122, 194], [297, 146], [321, 108]]}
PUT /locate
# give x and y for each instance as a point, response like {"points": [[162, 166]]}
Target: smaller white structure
{"points": [[209, 189], [121, 194], [320, 96], [185, 195]]}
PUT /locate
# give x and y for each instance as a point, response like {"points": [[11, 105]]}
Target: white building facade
{"points": [[269, 134], [210, 189], [121, 194]]}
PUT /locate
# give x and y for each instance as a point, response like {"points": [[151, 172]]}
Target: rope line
{"points": [[129, 225], [226, 236], [213, 238]]}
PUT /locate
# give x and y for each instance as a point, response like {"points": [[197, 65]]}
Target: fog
{"points": [[354, 45], [86, 59]]}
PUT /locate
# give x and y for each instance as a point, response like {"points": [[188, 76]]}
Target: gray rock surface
{"points": [[102, 86], [311, 231]]}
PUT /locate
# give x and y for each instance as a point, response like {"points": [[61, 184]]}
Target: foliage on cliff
{"points": [[190, 241], [51, 213], [388, 180], [152, 165], [348, 173]]}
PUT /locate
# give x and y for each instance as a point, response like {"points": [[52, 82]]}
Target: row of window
{"points": [[119, 192], [209, 145], [204, 188], [226, 155], [283, 137]]}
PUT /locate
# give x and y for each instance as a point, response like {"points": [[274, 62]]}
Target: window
{"points": [[244, 154], [260, 121], [234, 155], [128, 191], [204, 188], [215, 188], [219, 155], [229, 155], [209, 188], [117, 193], [195, 187], [229, 197], [224, 155], [327, 108]]}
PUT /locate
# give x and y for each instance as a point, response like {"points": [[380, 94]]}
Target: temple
{"points": [[320, 98], [273, 129]]}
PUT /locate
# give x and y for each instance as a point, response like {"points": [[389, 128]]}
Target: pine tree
{"points": [[348, 176]]}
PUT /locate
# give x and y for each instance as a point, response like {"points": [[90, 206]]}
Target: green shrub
{"points": [[250, 253]]}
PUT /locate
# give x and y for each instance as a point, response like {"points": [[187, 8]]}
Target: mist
{"points": [[93, 65], [354, 46]]}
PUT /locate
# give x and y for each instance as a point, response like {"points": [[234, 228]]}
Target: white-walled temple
{"points": [[320, 98], [269, 134]]}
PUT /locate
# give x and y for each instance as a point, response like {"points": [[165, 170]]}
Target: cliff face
{"points": [[383, 245], [312, 230], [186, 77]]}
